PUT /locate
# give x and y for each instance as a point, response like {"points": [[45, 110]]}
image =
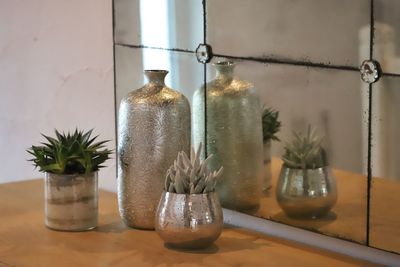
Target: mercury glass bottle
{"points": [[234, 136], [153, 126]]}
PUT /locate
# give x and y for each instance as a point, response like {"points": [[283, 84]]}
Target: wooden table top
{"points": [[25, 241]]}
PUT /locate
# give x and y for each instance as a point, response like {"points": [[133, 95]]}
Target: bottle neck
{"points": [[156, 77], [224, 71]]}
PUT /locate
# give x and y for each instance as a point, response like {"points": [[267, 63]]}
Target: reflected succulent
{"points": [[305, 151], [270, 124]]}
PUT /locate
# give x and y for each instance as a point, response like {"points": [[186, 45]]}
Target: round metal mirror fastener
{"points": [[204, 53], [370, 71]]}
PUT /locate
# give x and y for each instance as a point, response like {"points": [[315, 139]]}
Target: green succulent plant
{"points": [[190, 176], [270, 124], [69, 153], [305, 151]]}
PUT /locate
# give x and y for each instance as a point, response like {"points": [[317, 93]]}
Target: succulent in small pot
{"points": [[189, 214], [71, 162], [270, 126], [306, 187]]}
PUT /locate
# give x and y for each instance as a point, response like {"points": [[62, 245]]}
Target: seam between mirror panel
{"points": [[204, 3], [260, 60], [291, 62], [156, 48], [389, 74], [369, 161]]}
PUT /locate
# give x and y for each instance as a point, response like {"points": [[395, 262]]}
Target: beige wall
{"points": [[56, 71]]}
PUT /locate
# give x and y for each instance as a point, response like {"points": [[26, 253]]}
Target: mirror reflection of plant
{"points": [[190, 176], [271, 124], [305, 151], [71, 153]]}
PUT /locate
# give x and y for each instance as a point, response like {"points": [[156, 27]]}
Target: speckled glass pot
{"points": [[71, 201], [153, 126], [309, 193], [192, 221]]}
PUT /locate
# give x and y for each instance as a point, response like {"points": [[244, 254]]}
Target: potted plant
{"points": [[306, 187], [189, 214], [71, 162], [270, 126]]}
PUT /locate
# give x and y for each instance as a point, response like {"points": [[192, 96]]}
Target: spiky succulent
{"points": [[69, 153], [270, 124], [190, 176], [305, 151]]}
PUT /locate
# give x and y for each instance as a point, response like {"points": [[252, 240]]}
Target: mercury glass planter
{"points": [[267, 166], [153, 126], [234, 136], [308, 193], [71, 201], [189, 221]]}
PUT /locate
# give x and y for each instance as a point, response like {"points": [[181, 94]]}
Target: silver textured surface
{"points": [[189, 221], [309, 193], [234, 136], [153, 126]]}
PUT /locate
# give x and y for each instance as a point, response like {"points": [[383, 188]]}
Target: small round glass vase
{"points": [[189, 221], [306, 193], [71, 201]]}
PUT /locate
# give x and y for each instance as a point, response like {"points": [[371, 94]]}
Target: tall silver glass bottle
{"points": [[234, 136], [153, 126]]}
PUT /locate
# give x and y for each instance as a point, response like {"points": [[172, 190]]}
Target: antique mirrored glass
{"points": [[329, 32], [387, 35], [154, 23], [335, 102], [385, 188], [321, 45]]}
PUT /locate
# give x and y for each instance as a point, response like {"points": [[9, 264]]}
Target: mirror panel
{"points": [[336, 103], [387, 35], [310, 31], [159, 23], [385, 188], [313, 49]]}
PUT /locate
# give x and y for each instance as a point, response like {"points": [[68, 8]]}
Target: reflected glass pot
{"points": [[234, 137], [153, 126], [186, 221], [308, 193], [71, 201]]}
